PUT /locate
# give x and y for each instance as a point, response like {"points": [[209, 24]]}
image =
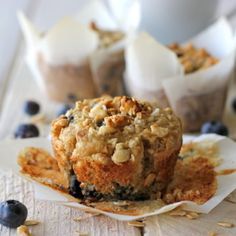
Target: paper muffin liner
{"points": [[108, 68], [196, 97], [107, 63], [66, 81], [59, 58], [199, 97], [225, 183], [157, 96], [148, 63]]}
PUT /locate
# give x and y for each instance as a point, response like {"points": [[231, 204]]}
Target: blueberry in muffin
{"points": [[116, 148]]}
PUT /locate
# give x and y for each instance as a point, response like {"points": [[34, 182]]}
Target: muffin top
{"points": [[113, 128], [192, 58]]}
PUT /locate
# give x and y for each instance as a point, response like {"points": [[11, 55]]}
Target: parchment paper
{"points": [[226, 184]]}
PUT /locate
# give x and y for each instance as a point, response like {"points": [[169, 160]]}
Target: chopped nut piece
{"points": [[121, 154], [106, 130], [136, 224], [98, 112], [159, 131], [31, 222], [23, 231], [225, 224], [155, 112]]}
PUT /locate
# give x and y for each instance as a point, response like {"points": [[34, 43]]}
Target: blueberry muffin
{"points": [[117, 148]]}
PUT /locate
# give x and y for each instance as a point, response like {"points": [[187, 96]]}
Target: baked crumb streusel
{"points": [[192, 58], [118, 148]]}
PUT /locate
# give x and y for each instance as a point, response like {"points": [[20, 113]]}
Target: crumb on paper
{"points": [[194, 178], [90, 215], [31, 222], [23, 230]]}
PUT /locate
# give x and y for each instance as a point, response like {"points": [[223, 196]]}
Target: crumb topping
{"points": [[120, 122], [192, 58]]}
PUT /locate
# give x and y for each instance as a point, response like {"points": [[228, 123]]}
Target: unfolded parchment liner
{"points": [[196, 97], [226, 183]]}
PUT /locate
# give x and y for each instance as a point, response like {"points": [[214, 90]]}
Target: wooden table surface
{"points": [[17, 85]]}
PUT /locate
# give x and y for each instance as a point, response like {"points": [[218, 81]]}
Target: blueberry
{"points": [[100, 123], [105, 87], [234, 104], [71, 118], [75, 189], [31, 108], [64, 109], [12, 213], [72, 97], [26, 131], [214, 127]]}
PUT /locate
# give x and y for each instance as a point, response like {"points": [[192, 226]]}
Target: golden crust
{"points": [[117, 140], [39, 165]]}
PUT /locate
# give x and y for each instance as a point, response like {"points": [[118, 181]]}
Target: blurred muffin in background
{"points": [[108, 63]]}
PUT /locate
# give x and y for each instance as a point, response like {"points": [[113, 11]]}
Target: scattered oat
{"points": [[178, 212], [225, 224], [23, 230], [192, 215], [212, 233], [31, 222], [82, 233], [136, 224], [122, 203], [91, 211], [228, 199], [86, 217]]}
